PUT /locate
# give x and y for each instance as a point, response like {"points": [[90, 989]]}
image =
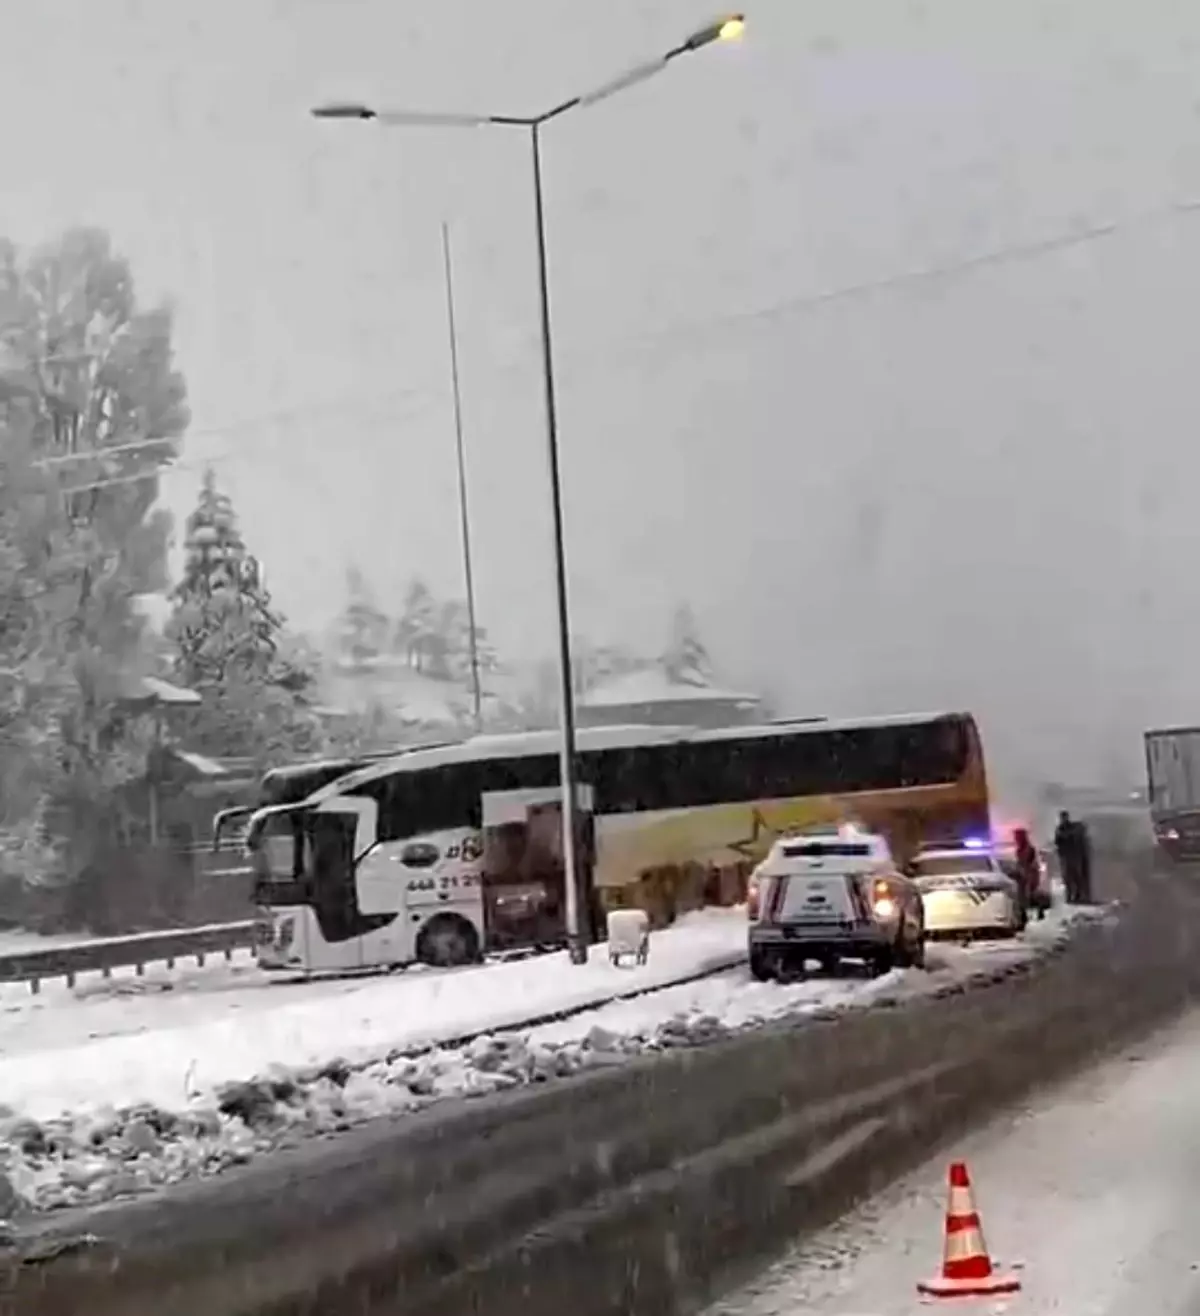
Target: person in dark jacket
{"points": [[1084, 842], [1069, 845]]}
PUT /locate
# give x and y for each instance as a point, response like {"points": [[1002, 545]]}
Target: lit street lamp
{"points": [[729, 28]]}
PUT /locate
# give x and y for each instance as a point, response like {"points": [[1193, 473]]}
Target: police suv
{"points": [[833, 895]]}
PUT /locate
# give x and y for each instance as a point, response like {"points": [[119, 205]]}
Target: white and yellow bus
{"points": [[443, 854]]}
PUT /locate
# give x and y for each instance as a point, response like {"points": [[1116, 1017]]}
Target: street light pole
{"points": [[463, 511], [729, 28], [576, 942]]}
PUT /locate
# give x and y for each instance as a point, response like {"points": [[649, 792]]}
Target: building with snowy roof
{"points": [[652, 696]]}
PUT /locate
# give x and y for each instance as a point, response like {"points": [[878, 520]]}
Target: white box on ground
{"points": [[629, 934]]}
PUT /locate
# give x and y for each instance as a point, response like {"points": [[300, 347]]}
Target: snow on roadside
{"points": [[717, 1005], [125, 1131], [14, 941], [96, 1006], [356, 1020]]}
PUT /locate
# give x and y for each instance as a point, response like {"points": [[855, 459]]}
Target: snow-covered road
{"points": [[86, 1119], [1090, 1195]]}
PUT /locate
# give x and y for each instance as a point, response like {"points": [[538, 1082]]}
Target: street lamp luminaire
{"points": [[729, 28]]}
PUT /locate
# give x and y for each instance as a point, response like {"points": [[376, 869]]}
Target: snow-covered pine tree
{"points": [[362, 626], [686, 658], [417, 635], [226, 637], [223, 624]]}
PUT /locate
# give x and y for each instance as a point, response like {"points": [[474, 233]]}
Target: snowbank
{"points": [[191, 1051], [15, 940], [122, 1115]]}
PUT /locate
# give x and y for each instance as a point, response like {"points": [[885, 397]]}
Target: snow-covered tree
{"points": [[38, 587], [362, 626], [226, 637], [298, 663], [91, 410], [594, 664], [222, 623], [416, 634], [686, 658]]}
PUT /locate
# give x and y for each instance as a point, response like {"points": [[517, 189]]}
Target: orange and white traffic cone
{"points": [[966, 1267]]}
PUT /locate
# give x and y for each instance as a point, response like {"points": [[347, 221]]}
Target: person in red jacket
{"points": [[1029, 872]]}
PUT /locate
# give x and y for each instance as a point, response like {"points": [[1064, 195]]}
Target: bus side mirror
{"points": [[222, 819]]}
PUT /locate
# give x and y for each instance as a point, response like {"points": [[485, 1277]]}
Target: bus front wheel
{"points": [[448, 942]]}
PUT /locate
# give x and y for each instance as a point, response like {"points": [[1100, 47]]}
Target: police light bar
{"points": [[975, 843]]}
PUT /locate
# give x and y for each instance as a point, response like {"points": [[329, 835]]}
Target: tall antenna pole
{"points": [[464, 516]]}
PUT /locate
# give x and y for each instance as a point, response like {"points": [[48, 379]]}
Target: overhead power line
{"points": [[211, 459], [219, 431], [1009, 254]]}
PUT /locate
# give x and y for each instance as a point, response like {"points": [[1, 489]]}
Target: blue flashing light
{"points": [[975, 843]]}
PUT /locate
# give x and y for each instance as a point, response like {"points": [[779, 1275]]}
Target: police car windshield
{"points": [[944, 865]]}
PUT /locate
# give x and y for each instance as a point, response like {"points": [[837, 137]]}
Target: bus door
{"points": [[340, 835], [524, 888]]}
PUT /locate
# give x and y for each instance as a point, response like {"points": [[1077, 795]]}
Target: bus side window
{"points": [[776, 768], [389, 797], [657, 776], [428, 800], [529, 772], [709, 772], [617, 777]]}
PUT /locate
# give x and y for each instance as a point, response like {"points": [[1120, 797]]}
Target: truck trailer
{"points": [[1173, 790]]}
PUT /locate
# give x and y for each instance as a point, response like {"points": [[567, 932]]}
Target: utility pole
{"points": [[463, 510]]}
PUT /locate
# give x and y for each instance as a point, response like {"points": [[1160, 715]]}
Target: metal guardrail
{"points": [[103, 954]]}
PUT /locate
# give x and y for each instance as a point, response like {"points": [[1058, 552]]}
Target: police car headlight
{"points": [[884, 907]]}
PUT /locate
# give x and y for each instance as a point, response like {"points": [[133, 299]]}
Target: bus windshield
{"points": [[299, 855], [276, 845]]}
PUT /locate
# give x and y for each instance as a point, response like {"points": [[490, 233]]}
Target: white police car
{"points": [[966, 893], [828, 895]]}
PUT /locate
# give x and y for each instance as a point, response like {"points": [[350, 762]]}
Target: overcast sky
{"points": [[972, 491]]}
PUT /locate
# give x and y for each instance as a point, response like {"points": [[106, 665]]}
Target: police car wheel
{"points": [[904, 954], [882, 962], [761, 968]]}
